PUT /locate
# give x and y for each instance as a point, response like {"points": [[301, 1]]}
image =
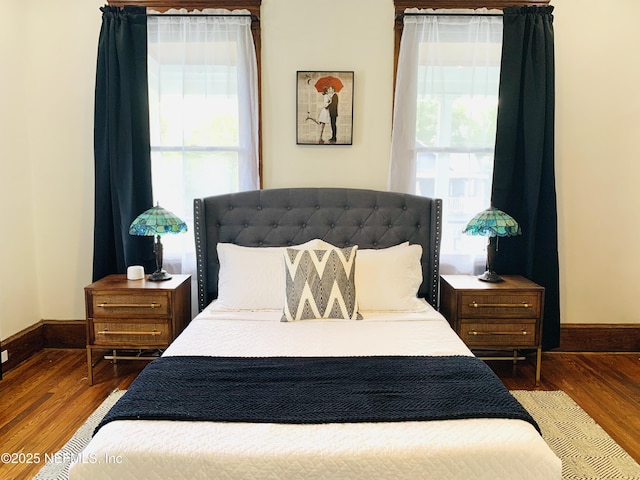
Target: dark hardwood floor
{"points": [[605, 385], [45, 399]]}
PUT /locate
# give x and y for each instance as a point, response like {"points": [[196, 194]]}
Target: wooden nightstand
{"points": [[135, 314], [495, 316]]}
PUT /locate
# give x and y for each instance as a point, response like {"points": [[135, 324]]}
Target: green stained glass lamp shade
{"points": [[492, 223], [153, 223], [156, 221]]}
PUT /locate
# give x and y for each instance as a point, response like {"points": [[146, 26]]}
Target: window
{"points": [[444, 121], [203, 109]]}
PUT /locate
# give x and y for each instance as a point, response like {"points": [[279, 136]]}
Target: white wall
{"points": [[47, 65], [48, 53], [351, 35], [60, 86], [19, 292], [598, 159]]}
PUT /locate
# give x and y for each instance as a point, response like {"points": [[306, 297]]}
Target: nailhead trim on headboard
{"points": [[200, 251]]}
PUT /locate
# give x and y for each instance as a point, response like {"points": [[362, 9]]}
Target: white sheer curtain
{"points": [[203, 109], [444, 121]]}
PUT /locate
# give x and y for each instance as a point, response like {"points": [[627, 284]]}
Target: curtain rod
{"points": [[400, 16], [253, 17]]}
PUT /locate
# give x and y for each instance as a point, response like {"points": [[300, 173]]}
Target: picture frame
{"points": [[324, 107]]}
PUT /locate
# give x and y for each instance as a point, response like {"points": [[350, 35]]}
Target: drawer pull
{"points": [[128, 332], [476, 333], [129, 305], [475, 304]]}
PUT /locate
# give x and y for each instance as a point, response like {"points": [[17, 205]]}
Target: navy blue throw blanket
{"points": [[316, 390]]}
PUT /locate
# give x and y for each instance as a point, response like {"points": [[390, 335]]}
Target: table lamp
{"points": [[492, 223], [157, 222]]}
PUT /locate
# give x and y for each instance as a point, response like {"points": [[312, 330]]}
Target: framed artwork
{"points": [[324, 102]]}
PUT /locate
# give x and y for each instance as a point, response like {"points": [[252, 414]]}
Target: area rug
{"points": [[586, 450]]}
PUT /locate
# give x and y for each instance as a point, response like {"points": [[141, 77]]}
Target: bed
{"points": [[314, 292]]}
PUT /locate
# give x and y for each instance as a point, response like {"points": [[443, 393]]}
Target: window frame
{"points": [[401, 5], [253, 6]]}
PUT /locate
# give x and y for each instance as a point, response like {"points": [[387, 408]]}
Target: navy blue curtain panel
{"points": [[121, 142], [523, 177]]}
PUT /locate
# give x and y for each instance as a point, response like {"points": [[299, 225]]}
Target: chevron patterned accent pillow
{"points": [[320, 284]]}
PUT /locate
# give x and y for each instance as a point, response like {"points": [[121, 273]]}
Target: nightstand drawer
{"points": [[503, 305], [495, 333], [131, 333], [111, 304]]}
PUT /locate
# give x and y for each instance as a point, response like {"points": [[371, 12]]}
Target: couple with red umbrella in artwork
{"points": [[328, 86]]}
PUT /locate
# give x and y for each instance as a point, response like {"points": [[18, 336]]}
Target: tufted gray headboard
{"points": [[340, 216]]}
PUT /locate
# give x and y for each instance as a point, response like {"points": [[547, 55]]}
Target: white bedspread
{"points": [[261, 334], [479, 449]]}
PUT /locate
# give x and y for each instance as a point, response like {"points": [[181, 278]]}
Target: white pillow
{"points": [[388, 279], [252, 278]]}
